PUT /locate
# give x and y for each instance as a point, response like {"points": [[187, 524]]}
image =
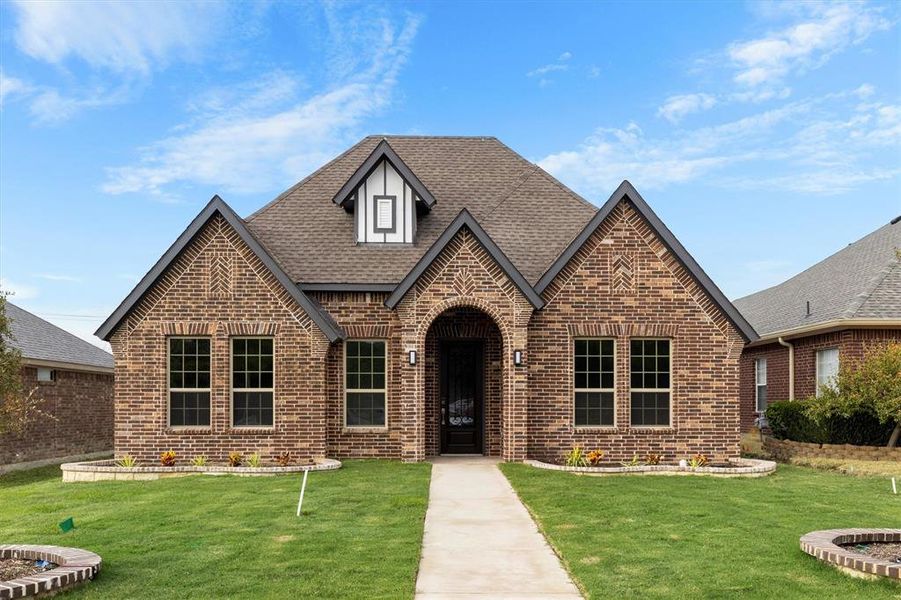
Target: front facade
{"points": [[422, 296], [72, 381], [812, 323]]}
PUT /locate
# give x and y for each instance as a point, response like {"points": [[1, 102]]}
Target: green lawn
{"points": [[698, 537], [204, 537]]}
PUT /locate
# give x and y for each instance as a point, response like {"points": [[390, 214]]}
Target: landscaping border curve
{"points": [[108, 470], [743, 467], [825, 546], [785, 449], [76, 566]]}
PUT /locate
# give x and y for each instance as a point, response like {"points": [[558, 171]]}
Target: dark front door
{"points": [[461, 397]]}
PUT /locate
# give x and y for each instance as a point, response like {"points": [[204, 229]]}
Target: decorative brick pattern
{"points": [[622, 269], [82, 404], [220, 274], [827, 546], [75, 567]]}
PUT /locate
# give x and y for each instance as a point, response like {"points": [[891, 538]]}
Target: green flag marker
{"points": [[67, 525]]}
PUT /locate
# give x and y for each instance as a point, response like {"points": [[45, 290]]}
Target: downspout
{"points": [[791, 367]]}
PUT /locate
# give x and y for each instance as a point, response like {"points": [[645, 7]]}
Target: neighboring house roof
{"points": [[41, 341], [861, 282], [464, 219], [529, 215], [216, 205], [628, 192]]}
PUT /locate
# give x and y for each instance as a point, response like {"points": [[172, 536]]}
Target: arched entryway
{"points": [[464, 381]]}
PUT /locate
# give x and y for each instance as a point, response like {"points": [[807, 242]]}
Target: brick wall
{"points": [[624, 284], [82, 403], [852, 345]]}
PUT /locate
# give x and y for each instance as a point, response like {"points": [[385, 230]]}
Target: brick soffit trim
{"points": [[217, 205], [464, 219], [626, 191]]}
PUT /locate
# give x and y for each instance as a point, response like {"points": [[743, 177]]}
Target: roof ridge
{"points": [[436, 137], [877, 280], [526, 175], [288, 191], [69, 333]]}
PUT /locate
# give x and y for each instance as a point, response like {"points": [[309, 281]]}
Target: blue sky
{"points": [[766, 135]]}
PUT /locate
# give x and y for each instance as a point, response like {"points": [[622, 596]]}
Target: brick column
{"points": [[412, 413], [315, 421]]}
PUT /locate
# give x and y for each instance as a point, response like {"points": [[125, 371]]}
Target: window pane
{"points": [[189, 409], [366, 409], [365, 370], [650, 408], [594, 408], [649, 365], [252, 372], [189, 369], [761, 398]]}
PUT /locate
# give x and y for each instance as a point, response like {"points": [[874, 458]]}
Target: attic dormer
{"points": [[386, 199]]}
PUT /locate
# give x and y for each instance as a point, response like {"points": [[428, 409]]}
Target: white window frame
{"points": [[821, 381], [169, 390], [231, 382], [758, 383], [575, 389], [672, 362], [364, 391], [50, 375]]}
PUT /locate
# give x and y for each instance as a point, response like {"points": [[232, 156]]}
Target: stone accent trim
{"points": [[785, 449], [743, 467], [826, 546], [106, 470], [187, 328], [664, 330], [237, 328], [76, 566], [368, 331]]}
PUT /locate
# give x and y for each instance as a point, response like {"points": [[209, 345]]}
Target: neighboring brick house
{"points": [[817, 319], [73, 379], [427, 295]]}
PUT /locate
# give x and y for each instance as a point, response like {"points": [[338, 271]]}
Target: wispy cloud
{"points": [[260, 138], [55, 277], [676, 107], [125, 37], [11, 87], [825, 30], [561, 64]]}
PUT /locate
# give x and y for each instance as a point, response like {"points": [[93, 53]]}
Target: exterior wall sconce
{"points": [[412, 357], [517, 357]]}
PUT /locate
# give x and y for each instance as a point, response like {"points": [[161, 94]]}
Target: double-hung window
{"points": [[827, 368], [252, 382], [594, 382], [760, 384], [189, 382], [364, 383], [650, 382]]}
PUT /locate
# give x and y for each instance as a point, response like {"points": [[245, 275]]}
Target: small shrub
{"points": [[254, 460], [575, 457], [167, 458], [807, 421], [698, 460], [283, 459], [235, 459], [652, 459], [595, 457], [127, 461], [199, 461], [632, 463]]}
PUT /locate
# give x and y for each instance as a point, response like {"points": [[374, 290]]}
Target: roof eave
{"points": [[217, 205], [824, 327]]}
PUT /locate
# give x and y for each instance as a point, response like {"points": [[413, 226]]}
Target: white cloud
{"points": [[262, 139], [55, 277], [17, 291], [559, 65], [824, 30], [120, 36], [676, 107], [51, 107], [11, 87]]}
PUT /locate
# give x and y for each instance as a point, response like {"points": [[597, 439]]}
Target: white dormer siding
{"points": [[385, 209]]}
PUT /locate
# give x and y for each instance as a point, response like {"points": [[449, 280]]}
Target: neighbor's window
{"points": [[827, 367], [364, 383], [760, 383], [650, 382], [189, 382], [45, 374], [252, 382], [594, 388]]}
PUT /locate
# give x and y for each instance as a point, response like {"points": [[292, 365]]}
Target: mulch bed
{"points": [[13, 568], [890, 551]]}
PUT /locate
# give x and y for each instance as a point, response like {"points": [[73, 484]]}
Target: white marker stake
{"points": [[894, 488], [303, 487]]}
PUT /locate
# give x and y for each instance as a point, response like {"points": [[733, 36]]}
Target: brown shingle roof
{"points": [[531, 216]]}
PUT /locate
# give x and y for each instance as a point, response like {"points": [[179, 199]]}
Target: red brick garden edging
{"points": [[76, 566], [826, 546]]}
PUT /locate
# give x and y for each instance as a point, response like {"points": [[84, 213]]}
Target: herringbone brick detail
{"points": [[622, 273], [221, 267]]}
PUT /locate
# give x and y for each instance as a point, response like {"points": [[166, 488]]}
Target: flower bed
{"points": [[741, 467], [106, 470], [836, 547], [74, 567]]}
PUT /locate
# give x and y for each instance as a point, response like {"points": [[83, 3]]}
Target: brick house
{"points": [[426, 295], [74, 381], [812, 322]]}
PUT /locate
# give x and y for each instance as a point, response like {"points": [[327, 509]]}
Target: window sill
{"points": [[596, 428], [250, 430], [189, 430], [652, 429], [353, 429]]}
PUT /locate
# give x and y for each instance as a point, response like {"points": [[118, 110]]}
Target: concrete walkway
{"points": [[480, 541]]}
